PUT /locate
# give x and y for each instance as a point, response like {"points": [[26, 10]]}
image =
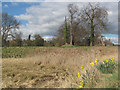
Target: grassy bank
{"points": [[51, 66], [21, 52]]}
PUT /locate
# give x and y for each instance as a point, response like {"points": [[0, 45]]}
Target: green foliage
{"points": [[20, 52], [90, 78], [38, 40], [14, 52], [106, 67]]}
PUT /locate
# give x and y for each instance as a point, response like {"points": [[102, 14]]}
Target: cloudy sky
{"points": [[45, 17]]}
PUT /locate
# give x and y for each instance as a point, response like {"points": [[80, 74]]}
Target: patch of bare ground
{"points": [[55, 68]]}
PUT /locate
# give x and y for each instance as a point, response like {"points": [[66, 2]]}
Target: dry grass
{"points": [[56, 67]]}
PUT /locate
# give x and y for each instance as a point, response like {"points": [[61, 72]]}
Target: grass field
{"points": [[53, 67]]}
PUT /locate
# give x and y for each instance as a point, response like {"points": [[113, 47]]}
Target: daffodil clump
{"points": [[90, 78], [81, 84], [107, 66]]}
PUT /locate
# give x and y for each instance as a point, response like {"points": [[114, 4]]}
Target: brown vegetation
{"points": [[56, 67]]}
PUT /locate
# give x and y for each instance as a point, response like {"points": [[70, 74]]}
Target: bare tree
{"points": [[9, 25], [84, 25], [72, 10], [94, 18]]}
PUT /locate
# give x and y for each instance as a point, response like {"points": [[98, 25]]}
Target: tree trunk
{"points": [[92, 34], [71, 37]]}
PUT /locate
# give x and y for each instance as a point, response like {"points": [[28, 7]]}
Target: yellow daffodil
{"points": [[82, 67], [78, 74], [80, 86], [103, 63], [92, 63], [81, 82], [96, 60], [112, 59], [107, 60]]}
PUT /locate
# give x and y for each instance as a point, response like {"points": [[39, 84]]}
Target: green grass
{"points": [[19, 52], [112, 81], [109, 80]]}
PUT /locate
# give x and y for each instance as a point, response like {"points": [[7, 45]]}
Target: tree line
{"points": [[81, 28], [12, 37]]}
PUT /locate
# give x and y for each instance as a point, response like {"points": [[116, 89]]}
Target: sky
{"points": [[45, 17]]}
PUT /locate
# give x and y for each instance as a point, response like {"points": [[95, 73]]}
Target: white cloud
{"points": [[81, 0], [47, 38], [110, 12], [44, 19], [5, 6], [23, 17], [112, 8], [112, 39], [60, 1]]}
